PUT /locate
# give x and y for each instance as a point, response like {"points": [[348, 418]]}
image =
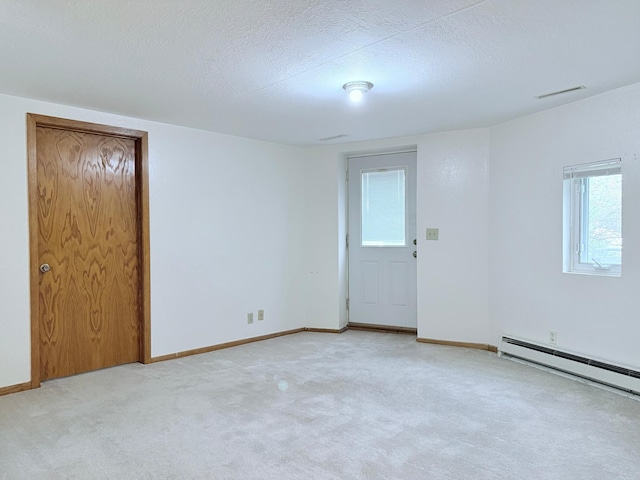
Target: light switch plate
{"points": [[432, 233]]}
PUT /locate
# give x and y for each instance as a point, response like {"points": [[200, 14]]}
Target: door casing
{"points": [[142, 196]]}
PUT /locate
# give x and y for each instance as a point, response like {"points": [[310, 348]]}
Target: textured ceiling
{"points": [[274, 70]]}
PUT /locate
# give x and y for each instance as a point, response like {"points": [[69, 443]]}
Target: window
{"points": [[593, 218], [383, 208]]}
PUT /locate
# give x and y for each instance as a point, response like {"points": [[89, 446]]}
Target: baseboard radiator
{"points": [[591, 369]]}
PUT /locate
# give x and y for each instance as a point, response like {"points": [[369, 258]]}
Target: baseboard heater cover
{"points": [[608, 374]]}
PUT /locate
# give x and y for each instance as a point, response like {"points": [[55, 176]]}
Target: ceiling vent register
{"points": [[561, 92]]}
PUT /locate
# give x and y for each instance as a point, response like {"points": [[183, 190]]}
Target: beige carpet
{"points": [[321, 406]]}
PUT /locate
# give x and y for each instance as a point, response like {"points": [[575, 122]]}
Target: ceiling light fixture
{"points": [[356, 90]]}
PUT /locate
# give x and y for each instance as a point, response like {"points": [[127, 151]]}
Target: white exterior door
{"points": [[382, 233]]}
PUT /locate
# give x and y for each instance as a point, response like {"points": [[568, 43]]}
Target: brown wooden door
{"points": [[87, 221]]}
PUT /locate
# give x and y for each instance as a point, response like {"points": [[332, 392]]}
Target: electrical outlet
{"points": [[553, 337], [249, 318], [260, 315]]}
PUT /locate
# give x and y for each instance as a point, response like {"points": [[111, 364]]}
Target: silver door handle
{"points": [[45, 267]]}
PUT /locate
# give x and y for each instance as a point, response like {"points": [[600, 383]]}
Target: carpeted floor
{"points": [[320, 406]]}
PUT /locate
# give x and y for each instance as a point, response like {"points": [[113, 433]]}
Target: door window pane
{"points": [[383, 208]]}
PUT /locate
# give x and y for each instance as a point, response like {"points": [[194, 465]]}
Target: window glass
{"points": [[383, 208], [602, 220], [593, 218]]}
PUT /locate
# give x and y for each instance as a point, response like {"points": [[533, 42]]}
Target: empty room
{"points": [[320, 239]]}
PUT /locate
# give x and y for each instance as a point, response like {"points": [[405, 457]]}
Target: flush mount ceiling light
{"points": [[356, 90]]}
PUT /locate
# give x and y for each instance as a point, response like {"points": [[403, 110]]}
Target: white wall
{"points": [[324, 253], [227, 219], [238, 225], [529, 293], [452, 195]]}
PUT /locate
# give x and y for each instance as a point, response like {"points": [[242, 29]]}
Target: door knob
{"points": [[415, 254], [45, 267]]}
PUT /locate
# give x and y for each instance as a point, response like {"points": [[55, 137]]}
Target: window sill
{"points": [[596, 273]]}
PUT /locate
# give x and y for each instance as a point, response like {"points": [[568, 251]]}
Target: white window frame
{"points": [[575, 208]]}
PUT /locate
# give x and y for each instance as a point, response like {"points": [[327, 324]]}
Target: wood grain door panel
{"points": [[87, 210]]}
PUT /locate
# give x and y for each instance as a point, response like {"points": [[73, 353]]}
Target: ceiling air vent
{"points": [[560, 92], [326, 139]]}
